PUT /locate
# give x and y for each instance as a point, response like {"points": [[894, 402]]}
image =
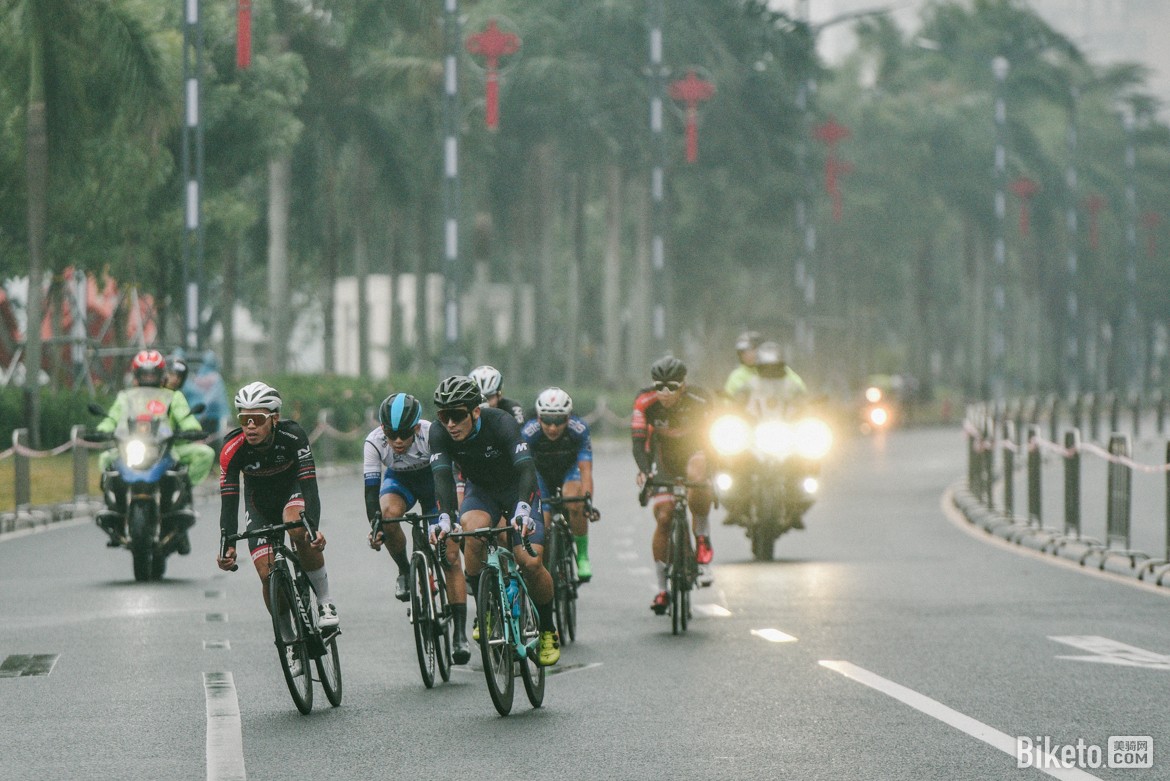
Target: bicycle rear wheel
{"points": [[494, 648], [329, 669], [442, 625], [530, 671], [422, 617], [290, 634]]}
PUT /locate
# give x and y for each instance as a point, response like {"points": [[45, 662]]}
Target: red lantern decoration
{"points": [[243, 34]]}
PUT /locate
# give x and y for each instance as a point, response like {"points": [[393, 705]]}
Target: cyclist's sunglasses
{"points": [[403, 435], [554, 420], [454, 415], [669, 385], [256, 419]]}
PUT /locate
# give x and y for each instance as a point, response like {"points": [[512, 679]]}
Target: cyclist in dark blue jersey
{"points": [[485, 445], [559, 441]]}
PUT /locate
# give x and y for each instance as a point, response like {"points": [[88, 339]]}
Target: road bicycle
{"points": [[561, 559], [509, 632], [294, 618], [682, 570], [430, 614]]}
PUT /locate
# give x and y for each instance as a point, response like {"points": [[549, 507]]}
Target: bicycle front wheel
{"points": [[422, 617], [291, 646], [530, 670], [679, 584], [441, 610], [329, 670], [494, 648]]}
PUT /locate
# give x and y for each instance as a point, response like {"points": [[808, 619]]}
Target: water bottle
{"points": [[513, 589]]}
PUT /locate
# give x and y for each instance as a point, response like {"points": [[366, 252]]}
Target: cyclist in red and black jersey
{"points": [[275, 460], [669, 432]]}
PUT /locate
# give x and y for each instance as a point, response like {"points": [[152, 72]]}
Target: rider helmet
{"points": [[458, 391], [668, 369], [770, 360], [178, 367], [554, 403], [399, 414], [488, 378], [257, 395], [748, 340], [148, 367]]}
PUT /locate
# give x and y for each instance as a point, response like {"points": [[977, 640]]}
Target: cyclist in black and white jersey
{"points": [[500, 478], [397, 474], [489, 380]]}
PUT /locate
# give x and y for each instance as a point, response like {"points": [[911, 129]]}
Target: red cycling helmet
{"points": [[148, 367]]}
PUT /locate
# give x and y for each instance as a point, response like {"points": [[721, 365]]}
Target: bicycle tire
{"points": [[560, 597], [282, 602], [678, 577], [422, 617], [569, 599], [494, 648], [329, 671], [442, 625], [530, 670]]}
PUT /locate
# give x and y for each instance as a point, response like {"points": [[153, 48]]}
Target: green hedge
{"points": [[60, 412]]}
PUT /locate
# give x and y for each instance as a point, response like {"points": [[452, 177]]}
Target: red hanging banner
{"points": [[243, 34]]}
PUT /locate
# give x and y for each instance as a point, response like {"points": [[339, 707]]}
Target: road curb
{"points": [[967, 513]]}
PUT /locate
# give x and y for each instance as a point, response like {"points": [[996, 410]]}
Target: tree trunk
{"points": [[640, 308], [332, 267], [573, 353], [233, 257], [611, 285], [279, 308], [545, 192]]}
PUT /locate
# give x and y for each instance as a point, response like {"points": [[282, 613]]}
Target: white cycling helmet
{"points": [[488, 378], [257, 395], [553, 401]]}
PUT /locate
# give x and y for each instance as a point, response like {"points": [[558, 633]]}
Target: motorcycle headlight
{"points": [[135, 453], [813, 438], [730, 435], [879, 416], [775, 437], [724, 481]]}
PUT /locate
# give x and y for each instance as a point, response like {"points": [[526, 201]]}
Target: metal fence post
{"points": [[1136, 407], [1078, 411], [1094, 417], [987, 480], [80, 465], [23, 480], [1053, 417], [1160, 413], [1009, 467], [1072, 483], [1034, 477], [1114, 413], [1119, 493]]}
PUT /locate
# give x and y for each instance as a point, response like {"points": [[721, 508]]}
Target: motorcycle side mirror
{"points": [[200, 407], [95, 409]]}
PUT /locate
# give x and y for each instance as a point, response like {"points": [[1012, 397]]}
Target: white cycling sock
{"points": [[660, 566], [703, 526], [320, 580]]}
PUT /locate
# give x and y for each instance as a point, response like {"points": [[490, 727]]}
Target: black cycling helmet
{"points": [[399, 414], [668, 369], [748, 340], [458, 391]]}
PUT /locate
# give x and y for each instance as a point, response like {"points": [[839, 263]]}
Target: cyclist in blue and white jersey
{"points": [[559, 441], [397, 475]]}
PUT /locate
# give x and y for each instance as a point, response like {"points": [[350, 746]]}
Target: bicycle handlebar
{"points": [[226, 540], [490, 531], [590, 511]]}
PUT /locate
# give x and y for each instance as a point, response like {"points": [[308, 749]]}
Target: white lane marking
{"points": [[216, 645], [935, 709], [641, 570], [225, 739], [627, 555], [774, 635], [1108, 651], [711, 609]]}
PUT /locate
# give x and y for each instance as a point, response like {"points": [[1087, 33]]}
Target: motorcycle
{"points": [[146, 489], [769, 472], [877, 413]]}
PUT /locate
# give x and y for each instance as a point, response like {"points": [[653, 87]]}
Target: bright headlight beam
{"points": [[813, 438], [135, 452], [730, 435]]}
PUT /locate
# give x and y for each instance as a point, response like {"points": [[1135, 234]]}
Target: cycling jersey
{"points": [[274, 476], [556, 458], [407, 474], [666, 437], [513, 408], [494, 458]]}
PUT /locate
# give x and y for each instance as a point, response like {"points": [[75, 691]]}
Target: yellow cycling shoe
{"points": [[550, 649], [475, 629]]}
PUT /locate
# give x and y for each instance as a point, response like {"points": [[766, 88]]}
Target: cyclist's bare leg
{"points": [[699, 499], [393, 506], [536, 576], [577, 521], [660, 542], [474, 552]]}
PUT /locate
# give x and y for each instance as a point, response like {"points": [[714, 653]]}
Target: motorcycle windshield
{"points": [[146, 415]]}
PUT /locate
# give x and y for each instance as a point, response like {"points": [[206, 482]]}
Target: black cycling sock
{"points": [[401, 560], [544, 616], [459, 613]]}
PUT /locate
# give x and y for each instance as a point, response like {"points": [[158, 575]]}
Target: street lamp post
{"points": [[450, 362], [1072, 350], [192, 162], [1131, 330], [657, 73], [999, 67]]}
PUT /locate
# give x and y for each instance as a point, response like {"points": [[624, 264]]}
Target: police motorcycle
{"points": [[146, 489], [770, 455]]}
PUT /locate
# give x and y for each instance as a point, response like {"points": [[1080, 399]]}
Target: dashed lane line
{"points": [[225, 738]]}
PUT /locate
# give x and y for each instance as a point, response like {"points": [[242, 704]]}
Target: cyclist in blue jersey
{"points": [[559, 441], [397, 474], [485, 445]]}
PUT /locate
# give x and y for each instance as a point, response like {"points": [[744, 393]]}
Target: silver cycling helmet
{"points": [[258, 395]]}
